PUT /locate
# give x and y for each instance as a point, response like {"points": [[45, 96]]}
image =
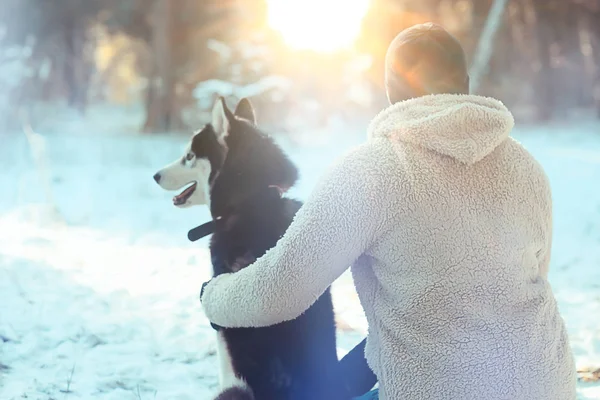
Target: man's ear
{"points": [[245, 110], [222, 118]]}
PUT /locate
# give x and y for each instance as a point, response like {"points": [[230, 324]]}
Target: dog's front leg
{"points": [[232, 386]]}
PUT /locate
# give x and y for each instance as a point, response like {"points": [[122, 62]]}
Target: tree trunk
{"points": [[574, 51], [594, 32], [77, 64], [480, 10], [151, 104], [545, 37], [485, 46], [162, 113], [502, 59]]}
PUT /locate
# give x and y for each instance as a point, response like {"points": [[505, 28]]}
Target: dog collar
{"points": [[202, 231], [208, 228]]}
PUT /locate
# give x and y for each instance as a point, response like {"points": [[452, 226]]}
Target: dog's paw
{"points": [[202, 290], [214, 326]]}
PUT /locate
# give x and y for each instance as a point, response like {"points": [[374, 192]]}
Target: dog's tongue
{"points": [[183, 196]]}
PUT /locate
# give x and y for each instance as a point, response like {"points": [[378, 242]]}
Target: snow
{"points": [[100, 293]]}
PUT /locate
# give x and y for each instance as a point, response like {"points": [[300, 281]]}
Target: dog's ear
{"points": [[245, 110], [222, 117]]}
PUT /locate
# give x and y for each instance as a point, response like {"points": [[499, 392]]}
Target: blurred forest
{"points": [[173, 57]]}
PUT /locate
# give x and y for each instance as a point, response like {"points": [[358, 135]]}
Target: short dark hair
{"points": [[425, 59]]}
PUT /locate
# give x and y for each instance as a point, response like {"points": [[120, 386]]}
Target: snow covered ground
{"points": [[99, 297]]}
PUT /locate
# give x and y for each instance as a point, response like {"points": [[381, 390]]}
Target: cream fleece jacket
{"points": [[447, 224]]}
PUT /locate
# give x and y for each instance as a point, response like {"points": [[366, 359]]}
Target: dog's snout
{"points": [[157, 177]]}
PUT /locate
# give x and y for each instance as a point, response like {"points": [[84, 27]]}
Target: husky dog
{"points": [[242, 175]]}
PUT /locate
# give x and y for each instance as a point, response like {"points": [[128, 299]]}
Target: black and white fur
{"points": [[241, 174]]}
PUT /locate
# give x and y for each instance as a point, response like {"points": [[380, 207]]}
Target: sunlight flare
{"points": [[319, 25]]}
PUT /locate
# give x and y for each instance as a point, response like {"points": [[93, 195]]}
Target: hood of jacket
{"points": [[464, 127]]}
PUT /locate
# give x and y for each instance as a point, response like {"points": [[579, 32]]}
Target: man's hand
{"points": [[214, 326]]}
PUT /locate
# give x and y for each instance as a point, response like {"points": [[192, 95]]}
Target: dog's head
{"points": [[230, 155], [198, 167]]}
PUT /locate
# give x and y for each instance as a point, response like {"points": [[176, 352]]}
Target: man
{"points": [[447, 224]]}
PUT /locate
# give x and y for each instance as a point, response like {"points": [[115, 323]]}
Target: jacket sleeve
{"points": [[341, 218]]}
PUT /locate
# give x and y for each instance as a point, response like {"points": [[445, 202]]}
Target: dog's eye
{"points": [[189, 156]]}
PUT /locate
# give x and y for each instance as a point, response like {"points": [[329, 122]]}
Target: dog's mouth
{"points": [[184, 196]]}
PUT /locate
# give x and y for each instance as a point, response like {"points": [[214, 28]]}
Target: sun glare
{"points": [[319, 25]]}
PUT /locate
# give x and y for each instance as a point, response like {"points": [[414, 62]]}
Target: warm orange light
{"points": [[319, 25]]}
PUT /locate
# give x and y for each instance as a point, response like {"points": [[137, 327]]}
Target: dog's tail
{"points": [[236, 393]]}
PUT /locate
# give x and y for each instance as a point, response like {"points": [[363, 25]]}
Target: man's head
{"points": [[425, 59]]}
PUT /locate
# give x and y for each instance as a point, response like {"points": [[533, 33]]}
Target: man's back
{"points": [[455, 290]]}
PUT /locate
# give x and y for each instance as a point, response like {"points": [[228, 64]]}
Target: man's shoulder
{"points": [[371, 164], [378, 150], [527, 166], [522, 157]]}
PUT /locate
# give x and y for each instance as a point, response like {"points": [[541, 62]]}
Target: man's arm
{"points": [[339, 221]]}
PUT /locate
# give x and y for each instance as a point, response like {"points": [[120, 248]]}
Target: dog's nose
{"points": [[157, 177]]}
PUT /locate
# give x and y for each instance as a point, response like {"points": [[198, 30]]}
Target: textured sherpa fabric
{"points": [[446, 221]]}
